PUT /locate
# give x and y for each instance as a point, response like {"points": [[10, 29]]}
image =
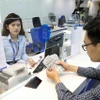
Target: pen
{"points": [[3, 68]]}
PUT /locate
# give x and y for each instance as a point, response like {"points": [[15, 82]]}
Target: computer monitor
{"points": [[36, 21], [63, 19], [54, 45], [60, 22]]}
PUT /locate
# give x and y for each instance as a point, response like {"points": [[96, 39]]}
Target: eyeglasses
{"points": [[85, 45]]}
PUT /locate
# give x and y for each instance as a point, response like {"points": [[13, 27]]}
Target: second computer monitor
{"points": [[61, 21], [54, 45], [36, 21]]}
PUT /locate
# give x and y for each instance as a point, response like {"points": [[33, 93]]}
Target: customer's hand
{"points": [[53, 74], [67, 66], [31, 61]]}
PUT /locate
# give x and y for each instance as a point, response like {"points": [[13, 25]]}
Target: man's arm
{"points": [[64, 94], [89, 72], [86, 72]]}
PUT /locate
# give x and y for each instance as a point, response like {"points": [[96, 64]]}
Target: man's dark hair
{"points": [[93, 30]]}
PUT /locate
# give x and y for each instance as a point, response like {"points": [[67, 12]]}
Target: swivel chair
{"points": [[36, 22], [38, 45], [63, 19]]}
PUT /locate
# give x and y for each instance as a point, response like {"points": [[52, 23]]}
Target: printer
{"points": [[13, 75]]}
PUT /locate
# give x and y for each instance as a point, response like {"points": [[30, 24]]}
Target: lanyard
{"points": [[17, 49]]}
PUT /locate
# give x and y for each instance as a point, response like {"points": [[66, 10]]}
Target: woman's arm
{"points": [[25, 56]]}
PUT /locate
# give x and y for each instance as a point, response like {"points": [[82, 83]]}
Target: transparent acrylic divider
{"points": [[53, 45]]}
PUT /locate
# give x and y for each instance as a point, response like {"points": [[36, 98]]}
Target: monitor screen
{"points": [[61, 21], [54, 45], [36, 21]]}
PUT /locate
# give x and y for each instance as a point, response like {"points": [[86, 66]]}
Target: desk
{"points": [[46, 89], [55, 31], [58, 29]]}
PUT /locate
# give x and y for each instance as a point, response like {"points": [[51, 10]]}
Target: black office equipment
{"points": [[53, 46], [39, 68], [60, 22], [36, 21], [78, 3], [34, 82], [63, 19], [80, 9]]}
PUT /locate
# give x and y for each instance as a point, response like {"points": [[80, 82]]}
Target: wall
{"points": [[64, 7], [84, 4], [30, 8], [93, 9], [27, 9]]}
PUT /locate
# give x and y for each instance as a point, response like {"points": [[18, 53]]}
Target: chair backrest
{"points": [[36, 21], [60, 22], [63, 19], [35, 34]]}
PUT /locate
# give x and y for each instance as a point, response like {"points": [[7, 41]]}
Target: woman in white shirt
{"points": [[14, 40]]}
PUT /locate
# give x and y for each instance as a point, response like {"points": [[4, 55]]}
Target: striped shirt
{"points": [[15, 50], [93, 94]]}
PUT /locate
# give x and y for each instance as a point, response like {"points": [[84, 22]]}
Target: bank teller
{"points": [[14, 40]]}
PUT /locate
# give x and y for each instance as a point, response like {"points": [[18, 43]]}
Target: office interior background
{"points": [[41, 8], [27, 9]]}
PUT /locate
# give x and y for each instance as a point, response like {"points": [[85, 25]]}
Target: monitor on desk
{"points": [[54, 45], [61, 21]]}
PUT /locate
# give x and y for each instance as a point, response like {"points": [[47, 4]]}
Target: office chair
{"points": [[36, 21], [60, 22], [63, 19], [38, 45]]}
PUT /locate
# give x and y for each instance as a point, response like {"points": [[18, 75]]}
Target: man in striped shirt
{"points": [[92, 46]]}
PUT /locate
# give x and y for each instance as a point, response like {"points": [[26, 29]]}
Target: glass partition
{"points": [[43, 37], [41, 19]]}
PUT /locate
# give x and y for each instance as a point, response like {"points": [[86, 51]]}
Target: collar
{"points": [[18, 40]]}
